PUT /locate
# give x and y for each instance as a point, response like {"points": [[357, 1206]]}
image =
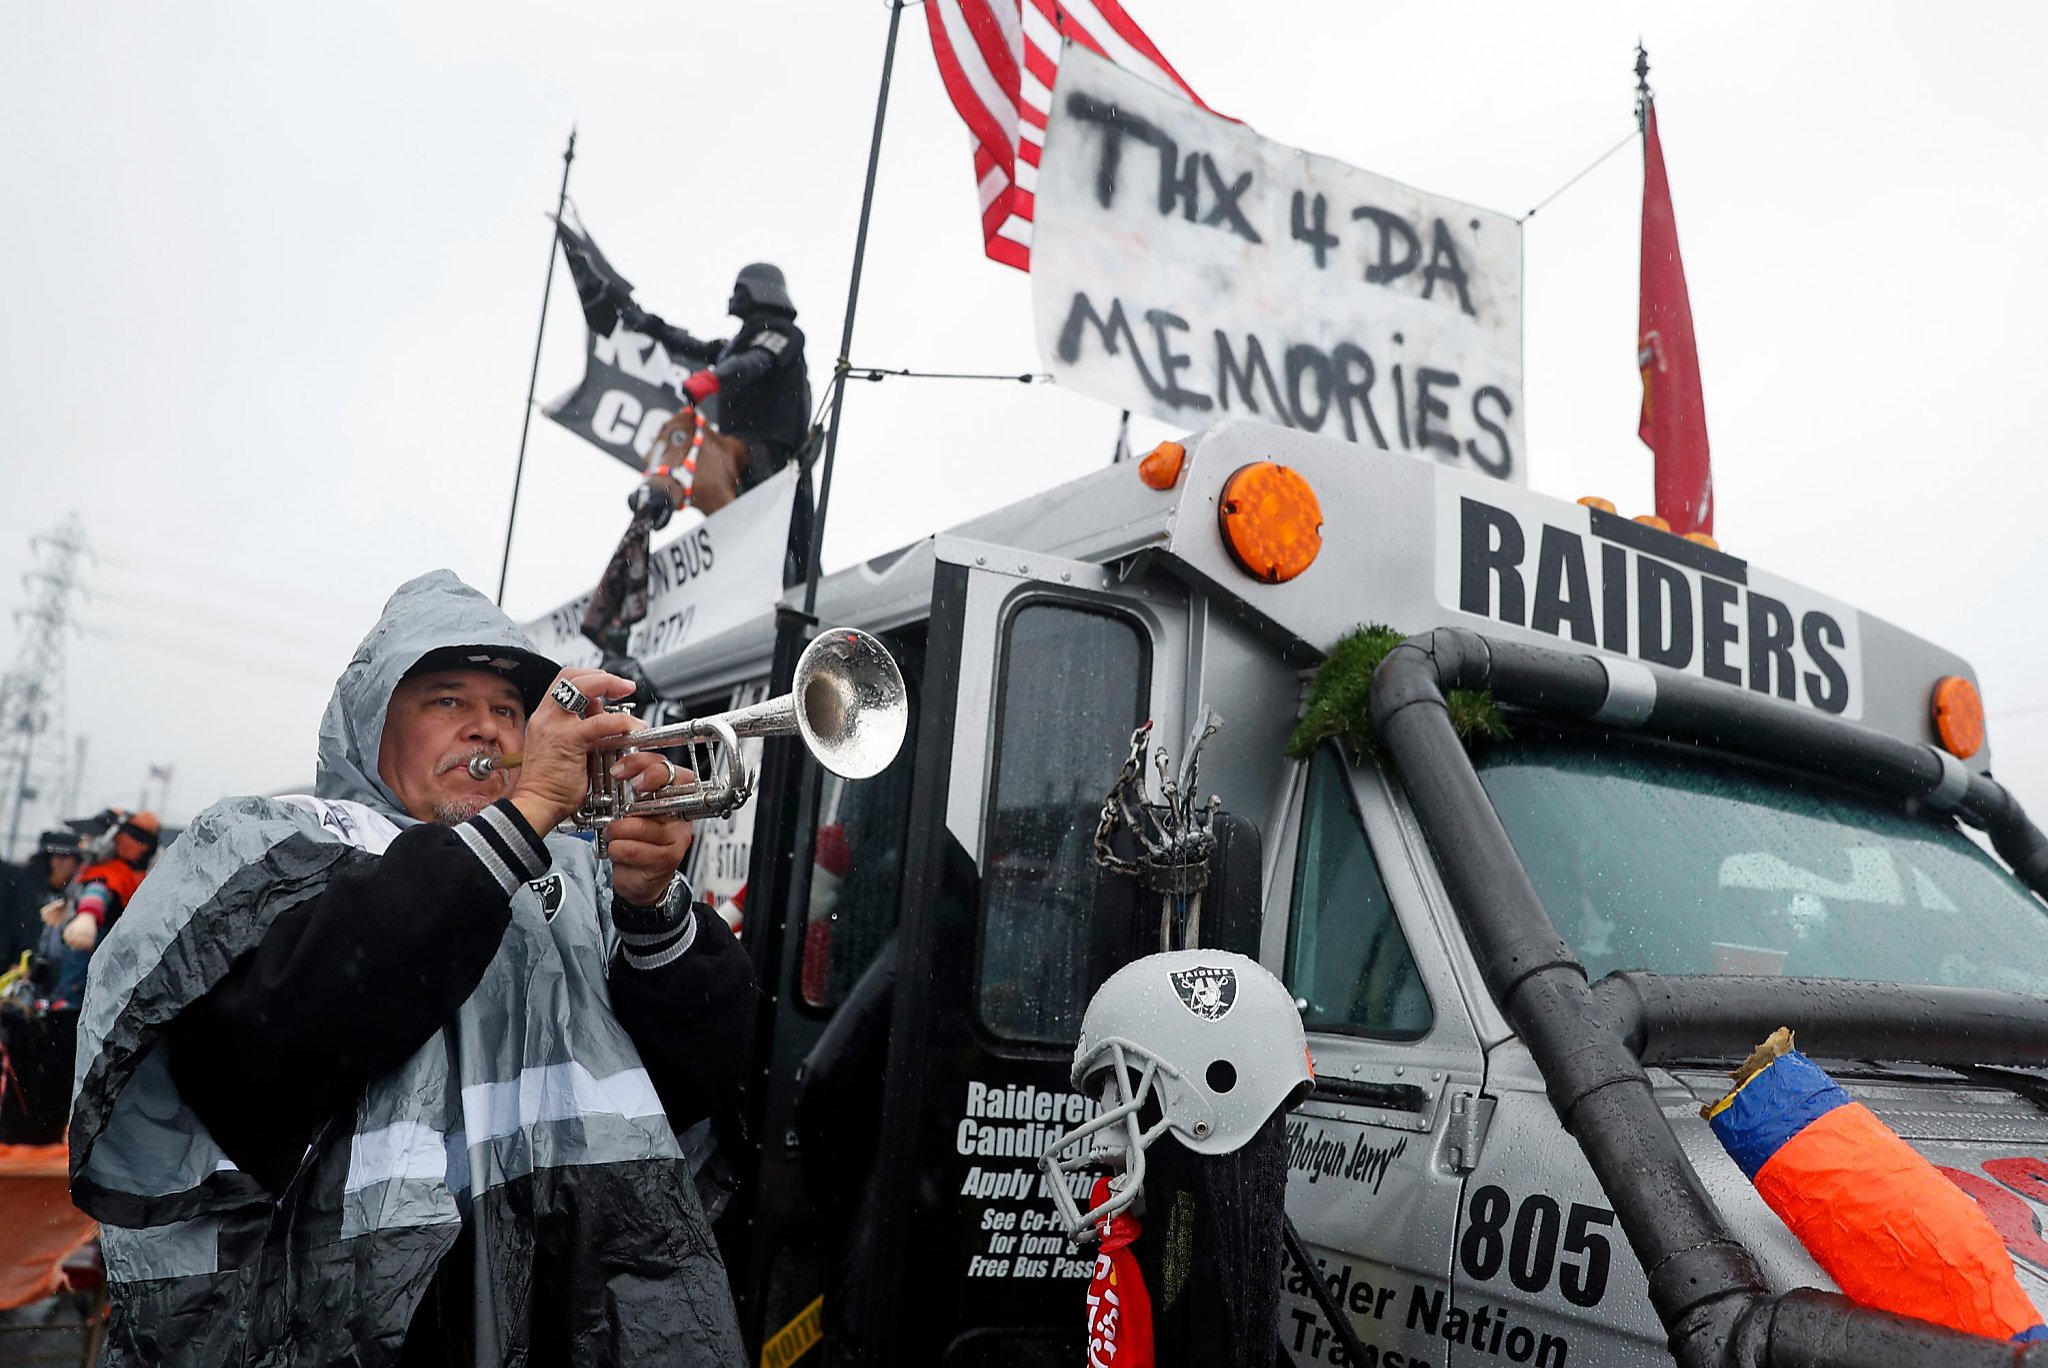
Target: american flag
{"points": [[998, 59]]}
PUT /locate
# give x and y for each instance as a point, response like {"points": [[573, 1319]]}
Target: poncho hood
{"points": [[430, 613]]}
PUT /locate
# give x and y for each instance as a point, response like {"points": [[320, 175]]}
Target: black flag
{"points": [[630, 386]]}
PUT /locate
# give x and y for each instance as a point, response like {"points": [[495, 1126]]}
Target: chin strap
{"points": [[1119, 1308]]}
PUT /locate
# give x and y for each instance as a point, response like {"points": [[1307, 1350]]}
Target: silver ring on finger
{"points": [[669, 782], [568, 697]]}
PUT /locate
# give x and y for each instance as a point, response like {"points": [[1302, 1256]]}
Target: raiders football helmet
{"points": [[1202, 1043]]}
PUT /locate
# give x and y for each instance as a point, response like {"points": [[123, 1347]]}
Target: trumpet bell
{"points": [[851, 705]]}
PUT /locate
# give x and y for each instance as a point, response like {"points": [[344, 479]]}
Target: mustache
{"points": [[461, 760]]}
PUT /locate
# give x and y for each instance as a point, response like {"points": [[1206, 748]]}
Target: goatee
{"points": [[454, 811]]}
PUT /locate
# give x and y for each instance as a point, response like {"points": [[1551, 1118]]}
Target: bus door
{"points": [[786, 1229], [1378, 1155], [1038, 671]]}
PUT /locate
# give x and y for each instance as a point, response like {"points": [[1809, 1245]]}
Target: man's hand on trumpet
{"points": [[551, 779], [647, 851], [553, 776]]}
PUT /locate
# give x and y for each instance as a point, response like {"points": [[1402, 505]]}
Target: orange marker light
{"points": [[1161, 467], [1704, 540], [1271, 521], [1595, 501], [1652, 520], [1959, 716]]}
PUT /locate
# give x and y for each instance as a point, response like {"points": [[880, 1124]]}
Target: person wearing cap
{"points": [[106, 886], [35, 885], [98, 894], [393, 1073]]}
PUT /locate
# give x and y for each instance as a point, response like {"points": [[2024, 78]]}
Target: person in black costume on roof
{"points": [[763, 396], [758, 374]]}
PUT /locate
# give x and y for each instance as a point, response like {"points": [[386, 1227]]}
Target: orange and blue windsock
{"points": [[1891, 1231]]}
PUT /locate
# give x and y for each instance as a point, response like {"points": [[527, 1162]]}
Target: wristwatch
{"points": [[664, 915]]}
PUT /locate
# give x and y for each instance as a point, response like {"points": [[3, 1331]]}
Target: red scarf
{"points": [[1119, 1310]]}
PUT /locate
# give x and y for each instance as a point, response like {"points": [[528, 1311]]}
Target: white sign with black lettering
{"points": [[724, 846], [713, 576], [1593, 578], [1185, 267]]}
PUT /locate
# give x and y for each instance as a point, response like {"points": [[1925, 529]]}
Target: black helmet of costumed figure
{"points": [[760, 286]]}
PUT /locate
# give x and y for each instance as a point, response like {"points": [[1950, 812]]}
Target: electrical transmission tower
{"points": [[32, 722]]}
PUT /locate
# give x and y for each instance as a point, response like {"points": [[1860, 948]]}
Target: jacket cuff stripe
{"points": [[645, 941], [494, 864], [506, 851], [522, 849], [657, 959]]}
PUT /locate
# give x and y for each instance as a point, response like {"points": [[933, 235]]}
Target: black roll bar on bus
{"points": [[1664, 1017], [1706, 1286]]}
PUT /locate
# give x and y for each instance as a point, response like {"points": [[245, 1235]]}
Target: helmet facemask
{"points": [[1114, 1138]]}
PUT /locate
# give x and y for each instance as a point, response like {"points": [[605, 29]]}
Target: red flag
{"points": [[998, 59], [1674, 421]]}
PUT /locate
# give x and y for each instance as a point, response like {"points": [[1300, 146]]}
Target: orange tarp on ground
{"points": [[38, 1224]]}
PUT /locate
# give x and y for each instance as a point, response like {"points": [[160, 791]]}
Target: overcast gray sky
{"points": [[272, 274]]}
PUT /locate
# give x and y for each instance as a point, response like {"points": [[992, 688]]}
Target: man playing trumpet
{"points": [[394, 1074]]}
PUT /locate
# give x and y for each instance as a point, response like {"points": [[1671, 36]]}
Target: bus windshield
{"points": [[1651, 857]]}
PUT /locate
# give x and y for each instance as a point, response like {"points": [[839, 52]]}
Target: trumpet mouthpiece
{"points": [[484, 766]]}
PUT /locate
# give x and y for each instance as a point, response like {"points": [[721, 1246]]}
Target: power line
{"points": [[885, 372]]}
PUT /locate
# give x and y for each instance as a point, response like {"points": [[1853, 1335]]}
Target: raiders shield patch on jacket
{"points": [[549, 891]]}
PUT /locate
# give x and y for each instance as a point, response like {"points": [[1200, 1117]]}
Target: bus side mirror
{"points": [[1126, 923]]}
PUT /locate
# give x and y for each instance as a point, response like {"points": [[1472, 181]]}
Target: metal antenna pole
{"points": [[526, 421], [860, 251]]}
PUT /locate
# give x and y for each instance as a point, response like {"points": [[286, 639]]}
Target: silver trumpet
{"points": [[847, 702]]}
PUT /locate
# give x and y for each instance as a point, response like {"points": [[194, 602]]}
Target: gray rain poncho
{"points": [[530, 1117]]}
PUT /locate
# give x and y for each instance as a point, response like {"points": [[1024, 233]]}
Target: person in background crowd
{"points": [[101, 892], [18, 886], [393, 1074], [36, 1042], [35, 884]]}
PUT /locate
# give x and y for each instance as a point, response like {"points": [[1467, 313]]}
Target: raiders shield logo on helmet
{"points": [[1207, 992], [549, 891]]}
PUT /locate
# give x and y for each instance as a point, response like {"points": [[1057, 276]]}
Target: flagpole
{"points": [[1642, 86], [532, 379], [860, 249]]}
